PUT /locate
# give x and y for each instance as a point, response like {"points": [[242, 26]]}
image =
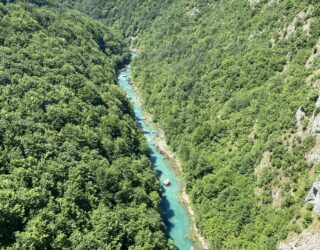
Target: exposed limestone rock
{"points": [[316, 124], [314, 155], [316, 207], [299, 117], [252, 135], [313, 77], [276, 197], [273, 2], [285, 67], [193, 11], [313, 191], [306, 27], [313, 196], [285, 32], [318, 102], [265, 162], [253, 3], [309, 239], [316, 85], [313, 56], [254, 34], [258, 191]]}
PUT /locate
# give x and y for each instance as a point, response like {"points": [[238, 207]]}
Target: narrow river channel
{"points": [[175, 215]]}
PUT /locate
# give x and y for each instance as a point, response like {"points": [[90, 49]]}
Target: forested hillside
{"points": [[234, 85], [74, 172], [225, 80], [131, 18]]}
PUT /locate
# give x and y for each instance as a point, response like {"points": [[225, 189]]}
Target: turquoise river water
{"points": [[175, 215]]}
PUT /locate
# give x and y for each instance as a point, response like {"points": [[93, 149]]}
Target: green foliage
{"points": [[74, 172], [307, 219], [225, 85], [129, 17], [309, 207], [222, 78]]}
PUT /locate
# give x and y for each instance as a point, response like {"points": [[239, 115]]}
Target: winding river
{"points": [[175, 215]]}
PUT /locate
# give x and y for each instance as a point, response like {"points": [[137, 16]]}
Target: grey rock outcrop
{"points": [[318, 102], [316, 124], [313, 157], [309, 239], [313, 196], [299, 117]]}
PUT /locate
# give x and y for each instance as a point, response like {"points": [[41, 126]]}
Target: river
{"points": [[175, 215]]}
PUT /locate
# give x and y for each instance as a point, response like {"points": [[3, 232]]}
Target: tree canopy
{"points": [[74, 167], [224, 79]]}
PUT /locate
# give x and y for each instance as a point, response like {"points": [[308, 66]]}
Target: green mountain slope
{"points": [[74, 172], [225, 79], [129, 17]]}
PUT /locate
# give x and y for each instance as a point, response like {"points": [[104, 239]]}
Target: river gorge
{"points": [[175, 215]]}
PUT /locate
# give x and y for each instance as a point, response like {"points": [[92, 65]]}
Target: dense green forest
{"points": [[74, 171], [131, 18], [225, 80]]}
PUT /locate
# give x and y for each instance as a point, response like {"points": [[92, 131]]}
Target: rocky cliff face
{"points": [[309, 239]]}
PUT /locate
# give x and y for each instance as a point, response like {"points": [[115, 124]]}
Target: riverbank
{"points": [[162, 146], [175, 215]]}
